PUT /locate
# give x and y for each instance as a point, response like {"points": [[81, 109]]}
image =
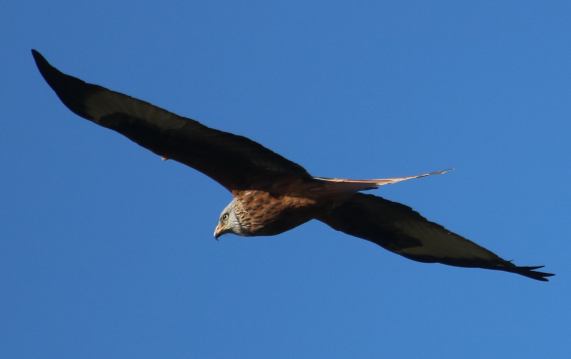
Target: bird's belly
{"points": [[285, 222], [269, 215]]}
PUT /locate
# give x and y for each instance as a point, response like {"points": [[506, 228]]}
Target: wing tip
{"points": [[70, 90], [48, 72], [40, 60], [530, 272]]}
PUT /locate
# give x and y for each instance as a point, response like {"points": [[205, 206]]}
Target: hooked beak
{"points": [[218, 231]]}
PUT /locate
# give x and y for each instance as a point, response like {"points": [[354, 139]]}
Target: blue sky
{"points": [[107, 252]]}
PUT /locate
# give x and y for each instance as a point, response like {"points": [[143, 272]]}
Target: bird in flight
{"points": [[272, 194]]}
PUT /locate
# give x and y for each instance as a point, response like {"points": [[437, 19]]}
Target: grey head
{"points": [[229, 221]]}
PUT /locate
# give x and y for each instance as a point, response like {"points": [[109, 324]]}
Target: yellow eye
{"points": [[224, 218]]}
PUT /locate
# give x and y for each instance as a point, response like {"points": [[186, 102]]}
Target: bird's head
{"points": [[229, 221]]}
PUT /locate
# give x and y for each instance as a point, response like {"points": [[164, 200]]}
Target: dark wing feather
{"points": [[234, 161], [402, 230]]}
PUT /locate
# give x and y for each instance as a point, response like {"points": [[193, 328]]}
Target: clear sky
{"points": [[107, 252]]}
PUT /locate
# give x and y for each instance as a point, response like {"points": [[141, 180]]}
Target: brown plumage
{"points": [[272, 194]]}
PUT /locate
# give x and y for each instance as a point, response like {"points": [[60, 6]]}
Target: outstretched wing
{"points": [[236, 162], [404, 231]]}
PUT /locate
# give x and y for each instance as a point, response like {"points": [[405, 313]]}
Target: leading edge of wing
{"points": [[232, 160]]}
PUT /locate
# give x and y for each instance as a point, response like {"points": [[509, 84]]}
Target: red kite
{"points": [[272, 194]]}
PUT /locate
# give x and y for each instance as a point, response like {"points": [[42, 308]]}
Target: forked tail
{"points": [[347, 184]]}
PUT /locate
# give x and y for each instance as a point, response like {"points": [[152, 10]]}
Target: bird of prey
{"points": [[272, 194]]}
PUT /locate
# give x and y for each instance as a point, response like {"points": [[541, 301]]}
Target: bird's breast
{"points": [[265, 214]]}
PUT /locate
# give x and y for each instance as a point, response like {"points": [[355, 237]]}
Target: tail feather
{"points": [[347, 184]]}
